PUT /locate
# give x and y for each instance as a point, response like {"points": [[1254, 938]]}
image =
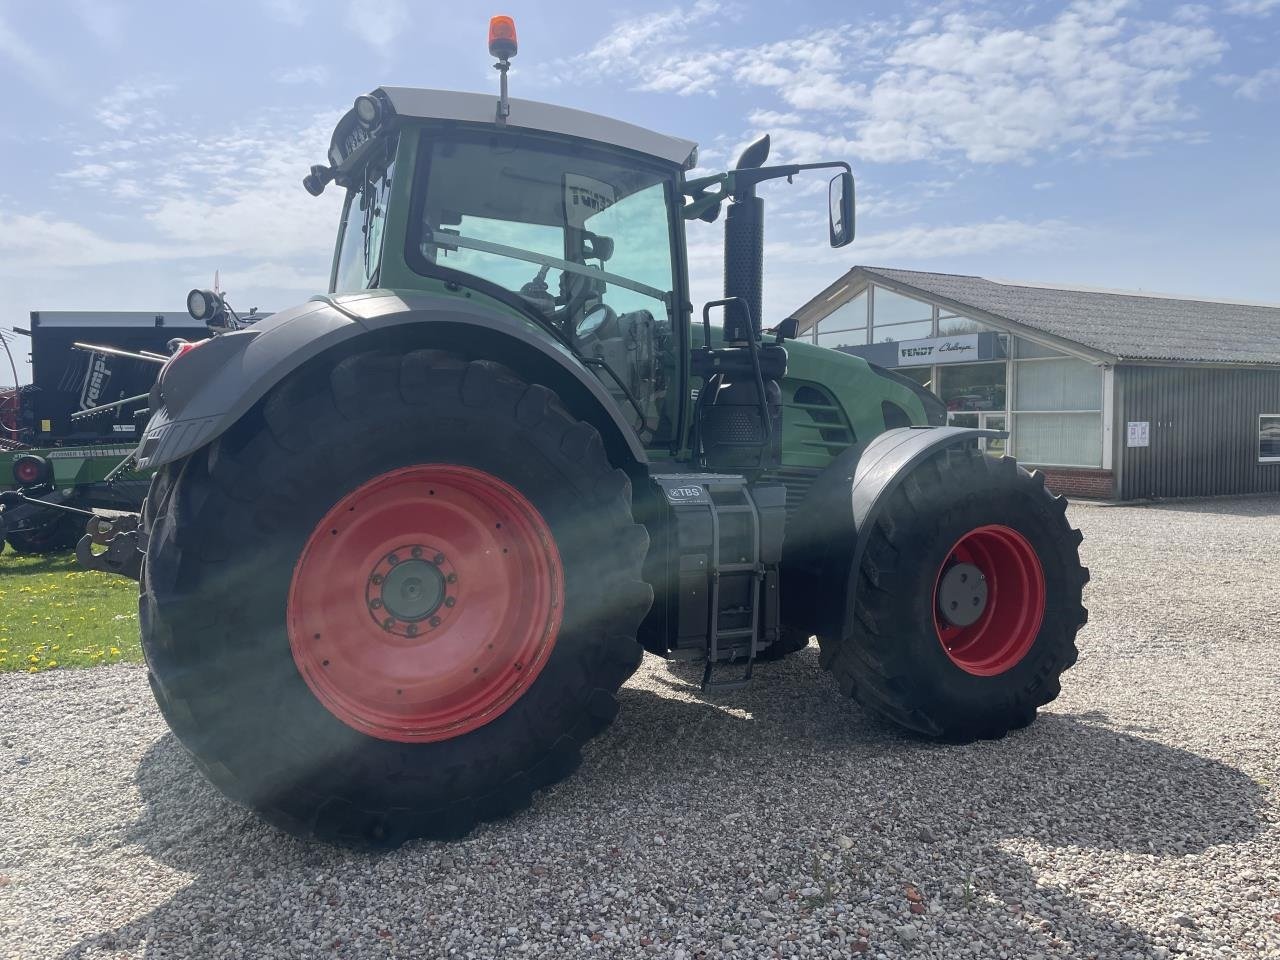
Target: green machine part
{"points": [[72, 466]]}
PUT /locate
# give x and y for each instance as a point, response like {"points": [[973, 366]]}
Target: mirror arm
{"points": [[744, 181]]}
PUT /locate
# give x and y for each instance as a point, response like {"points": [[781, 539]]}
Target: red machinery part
{"points": [[425, 603], [1015, 601]]}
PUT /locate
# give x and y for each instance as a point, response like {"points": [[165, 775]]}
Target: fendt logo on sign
{"points": [[957, 349]]}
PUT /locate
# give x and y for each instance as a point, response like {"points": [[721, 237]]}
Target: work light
{"points": [[368, 110], [203, 305]]}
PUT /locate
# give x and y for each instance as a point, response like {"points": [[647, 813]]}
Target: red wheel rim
{"points": [[425, 603], [1015, 601]]}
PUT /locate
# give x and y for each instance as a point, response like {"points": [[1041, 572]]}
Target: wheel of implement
{"points": [[396, 602], [57, 534], [967, 600]]}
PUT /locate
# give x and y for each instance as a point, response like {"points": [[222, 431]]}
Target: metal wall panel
{"points": [[1203, 430]]}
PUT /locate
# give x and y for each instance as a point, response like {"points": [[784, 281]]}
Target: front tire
{"points": [[906, 651], [395, 603]]}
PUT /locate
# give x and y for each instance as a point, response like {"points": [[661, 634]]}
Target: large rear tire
{"points": [[905, 657], [397, 601]]}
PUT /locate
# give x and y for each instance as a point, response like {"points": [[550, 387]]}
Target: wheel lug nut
{"points": [[388, 623], [452, 578], [435, 621], [376, 579], [375, 603], [417, 552], [393, 559], [438, 558], [450, 601], [411, 630]]}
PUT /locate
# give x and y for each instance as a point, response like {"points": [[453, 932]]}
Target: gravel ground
{"points": [[1138, 817]]}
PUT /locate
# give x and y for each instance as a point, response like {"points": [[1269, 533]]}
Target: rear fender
{"points": [[827, 536], [206, 390]]}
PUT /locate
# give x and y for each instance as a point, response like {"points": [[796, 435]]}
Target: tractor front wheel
{"points": [[966, 603], [395, 602]]}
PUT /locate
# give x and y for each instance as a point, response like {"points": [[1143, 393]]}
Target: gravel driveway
{"points": [[1138, 817]]}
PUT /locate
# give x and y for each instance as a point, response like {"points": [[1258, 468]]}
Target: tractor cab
{"points": [[562, 221], [565, 221]]}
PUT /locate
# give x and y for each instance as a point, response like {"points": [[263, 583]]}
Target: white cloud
{"points": [[1252, 8], [128, 106], [1258, 86], [1042, 185], [41, 242], [938, 242], [378, 22], [955, 84], [651, 50], [311, 75]]}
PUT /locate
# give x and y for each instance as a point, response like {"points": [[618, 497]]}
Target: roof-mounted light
{"points": [[502, 44], [502, 37], [368, 110]]}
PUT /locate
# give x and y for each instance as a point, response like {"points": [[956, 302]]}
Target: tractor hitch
{"points": [[118, 532]]}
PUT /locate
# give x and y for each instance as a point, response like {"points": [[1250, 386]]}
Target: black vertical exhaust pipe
{"points": [[744, 251], [744, 267]]}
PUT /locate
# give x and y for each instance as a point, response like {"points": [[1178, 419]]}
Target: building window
{"points": [[1269, 438], [845, 326], [1057, 411], [972, 386], [895, 317], [952, 325]]}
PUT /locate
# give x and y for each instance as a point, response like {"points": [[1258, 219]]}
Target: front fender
{"points": [[203, 392], [827, 536]]}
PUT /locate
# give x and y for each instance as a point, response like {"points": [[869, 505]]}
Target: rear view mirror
{"points": [[840, 199], [787, 329]]}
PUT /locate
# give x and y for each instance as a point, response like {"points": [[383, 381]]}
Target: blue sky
{"points": [[1105, 143]]}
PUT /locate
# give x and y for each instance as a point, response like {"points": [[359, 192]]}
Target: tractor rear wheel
{"points": [[395, 603], [967, 600]]}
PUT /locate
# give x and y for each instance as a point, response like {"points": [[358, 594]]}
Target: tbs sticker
{"points": [[684, 494]]}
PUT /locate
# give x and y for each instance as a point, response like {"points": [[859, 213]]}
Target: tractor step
{"points": [[724, 543]]}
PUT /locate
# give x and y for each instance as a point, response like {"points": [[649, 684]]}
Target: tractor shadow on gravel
{"points": [[690, 796]]}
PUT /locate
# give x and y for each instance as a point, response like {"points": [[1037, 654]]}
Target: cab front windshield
{"points": [[578, 236]]}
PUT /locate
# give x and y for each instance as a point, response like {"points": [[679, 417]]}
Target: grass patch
{"points": [[54, 615]]}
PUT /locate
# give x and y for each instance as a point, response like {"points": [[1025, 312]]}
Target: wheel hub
{"points": [[962, 594], [411, 590]]}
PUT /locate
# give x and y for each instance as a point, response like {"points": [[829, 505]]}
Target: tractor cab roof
{"points": [[480, 108]]}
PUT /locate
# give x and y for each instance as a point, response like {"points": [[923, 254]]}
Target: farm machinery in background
{"points": [[406, 540], [67, 438]]}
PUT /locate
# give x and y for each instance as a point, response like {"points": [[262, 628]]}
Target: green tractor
{"points": [[407, 540]]}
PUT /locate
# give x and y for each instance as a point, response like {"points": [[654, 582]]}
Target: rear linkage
{"points": [[117, 530]]}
